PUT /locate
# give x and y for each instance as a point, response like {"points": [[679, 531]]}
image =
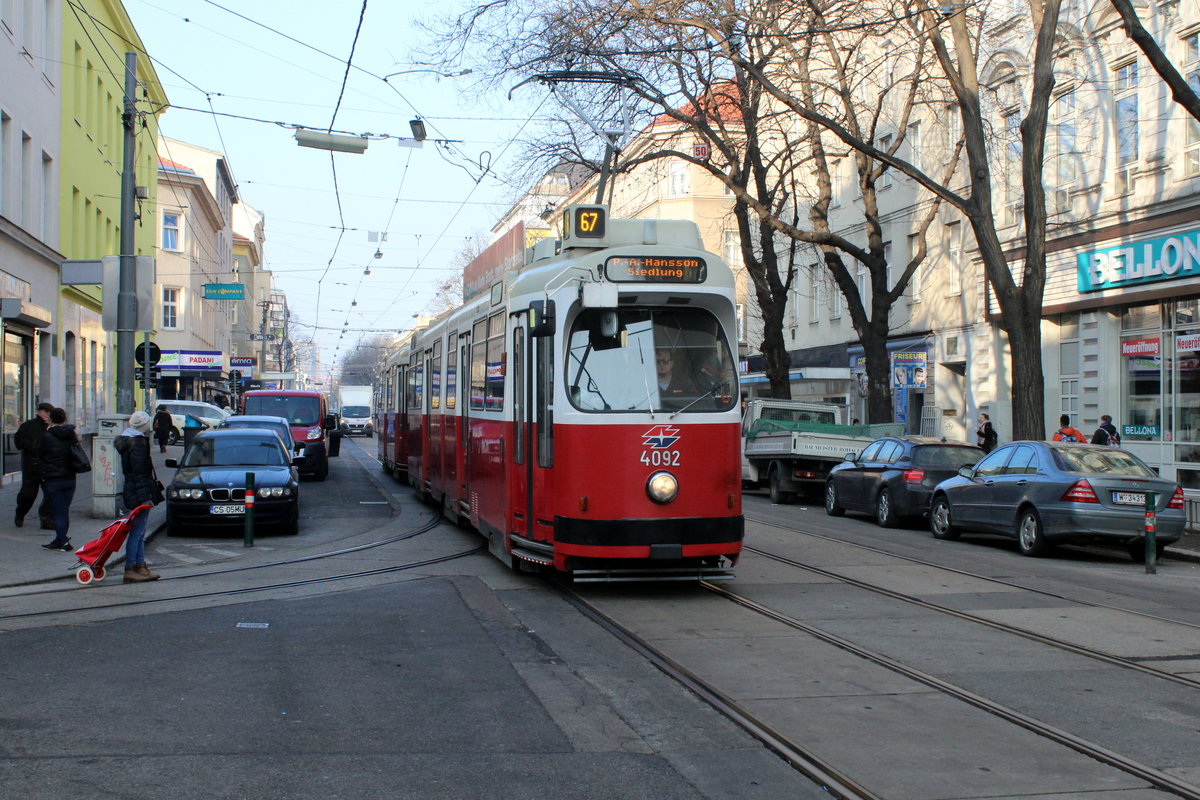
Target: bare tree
{"points": [[776, 170], [1182, 92]]}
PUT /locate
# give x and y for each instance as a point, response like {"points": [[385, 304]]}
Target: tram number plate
{"points": [[231, 509], [1129, 498], [660, 458]]}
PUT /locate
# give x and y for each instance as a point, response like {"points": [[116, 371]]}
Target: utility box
{"points": [[108, 480]]}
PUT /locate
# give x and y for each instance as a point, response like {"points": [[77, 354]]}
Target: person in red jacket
{"points": [[1068, 434]]}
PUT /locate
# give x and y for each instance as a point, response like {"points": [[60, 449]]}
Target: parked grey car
{"points": [[277, 424], [1043, 493]]}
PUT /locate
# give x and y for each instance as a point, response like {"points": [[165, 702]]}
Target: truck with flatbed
{"points": [[789, 446]]}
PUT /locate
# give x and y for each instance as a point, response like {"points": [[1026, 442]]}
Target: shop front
{"points": [[191, 375], [1147, 289], [18, 386]]}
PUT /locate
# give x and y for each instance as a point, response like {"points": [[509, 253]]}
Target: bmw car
{"points": [[209, 487], [1044, 493]]}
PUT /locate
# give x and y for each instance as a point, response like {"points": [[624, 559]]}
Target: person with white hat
{"points": [[140, 487]]}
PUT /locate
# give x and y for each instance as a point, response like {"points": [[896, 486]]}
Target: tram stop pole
{"points": [[1151, 538], [249, 542]]}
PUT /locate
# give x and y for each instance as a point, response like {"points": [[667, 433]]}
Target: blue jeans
{"points": [[59, 493], [135, 541]]}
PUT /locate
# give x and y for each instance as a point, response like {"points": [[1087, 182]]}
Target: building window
{"points": [[885, 180], [170, 231], [814, 297], [1125, 83], [1191, 156], [679, 177], [170, 308], [954, 258], [1068, 365], [1062, 121], [731, 245], [914, 282], [1012, 135]]}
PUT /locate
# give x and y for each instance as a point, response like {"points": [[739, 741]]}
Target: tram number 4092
{"points": [[660, 458]]}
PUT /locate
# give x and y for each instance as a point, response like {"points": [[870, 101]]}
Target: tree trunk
{"points": [[879, 379]]}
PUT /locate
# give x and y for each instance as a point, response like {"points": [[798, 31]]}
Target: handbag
{"points": [[80, 462], [157, 493]]}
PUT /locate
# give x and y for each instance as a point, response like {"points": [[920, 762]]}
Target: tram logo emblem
{"points": [[661, 437]]}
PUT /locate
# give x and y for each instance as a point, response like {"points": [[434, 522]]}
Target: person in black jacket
{"points": [[28, 440], [163, 423], [987, 434], [58, 476], [141, 487]]}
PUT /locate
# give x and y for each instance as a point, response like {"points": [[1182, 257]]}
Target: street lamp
{"points": [[437, 72], [307, 137]]}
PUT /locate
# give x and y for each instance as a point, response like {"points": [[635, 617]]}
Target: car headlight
{"points": [[173, 494], [313, 434], [271, 491], [188, 494], [662, 487]]}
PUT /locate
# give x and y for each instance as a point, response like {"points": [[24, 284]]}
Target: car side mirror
{"points": [[298, 461], [966, 472], [851, 457], [173, 463]]}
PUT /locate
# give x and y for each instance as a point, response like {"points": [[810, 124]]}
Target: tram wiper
{"points": [[592, 386], [710, 395]]}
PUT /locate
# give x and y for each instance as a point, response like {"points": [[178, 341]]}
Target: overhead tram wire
{"points": [[332, 163], [463, 205]]}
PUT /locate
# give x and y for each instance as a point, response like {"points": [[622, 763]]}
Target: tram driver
{"points": [[674, 385]]}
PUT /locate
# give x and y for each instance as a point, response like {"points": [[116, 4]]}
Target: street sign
{"points": [[147, 353], [261, 337]]}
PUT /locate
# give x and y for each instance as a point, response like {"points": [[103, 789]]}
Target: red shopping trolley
{"points": [[93, 555]]}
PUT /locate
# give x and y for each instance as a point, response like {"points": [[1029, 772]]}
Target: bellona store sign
{"points": [[1165, 258]]}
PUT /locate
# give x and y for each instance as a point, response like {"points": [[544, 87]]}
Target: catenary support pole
{"points": [[127, 295]]}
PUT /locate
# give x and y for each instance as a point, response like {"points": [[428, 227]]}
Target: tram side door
{"points": [[536, 414], [519, 468]]}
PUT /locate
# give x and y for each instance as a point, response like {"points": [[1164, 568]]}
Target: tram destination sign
{"points": [[655, 269]]}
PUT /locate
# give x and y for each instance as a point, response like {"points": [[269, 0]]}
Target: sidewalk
{"points": [[22, 559]]}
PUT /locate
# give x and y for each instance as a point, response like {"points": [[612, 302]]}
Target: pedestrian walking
{"points": [[163, 423], [1066, 433], [140, 487], [28, 440], [988, 438], [1106, 434], [58, 476]]}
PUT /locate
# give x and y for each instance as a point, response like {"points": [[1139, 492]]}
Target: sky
{"points": [[285, 61]]}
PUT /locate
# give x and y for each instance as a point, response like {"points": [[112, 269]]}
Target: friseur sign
{"points": [[224, 291], [1164, 258]]}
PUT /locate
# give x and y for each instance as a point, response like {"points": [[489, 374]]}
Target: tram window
{"points": [[452, 370], [435, 377], [664, 359], [518, 373], [495, 363], [478, 365]]}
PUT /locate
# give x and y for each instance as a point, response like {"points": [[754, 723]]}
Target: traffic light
{"points": [[235, 380], [146, 375]]}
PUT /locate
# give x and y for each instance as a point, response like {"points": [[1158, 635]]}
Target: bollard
{"points": [[249, 510], [1151, 540]]}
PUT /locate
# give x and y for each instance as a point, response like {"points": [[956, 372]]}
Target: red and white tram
{"points": [[581, 408]]}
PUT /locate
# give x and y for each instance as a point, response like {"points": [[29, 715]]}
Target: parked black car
{"points": [[893, 478], [209, 487]]}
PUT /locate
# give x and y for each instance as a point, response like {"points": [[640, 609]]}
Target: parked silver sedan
{"points": [[1043, 493]]}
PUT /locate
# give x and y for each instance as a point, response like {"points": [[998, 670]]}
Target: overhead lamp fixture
{"points": [[418, 129], [378, 253], [353, 302], [342, 143], [367, 271]]}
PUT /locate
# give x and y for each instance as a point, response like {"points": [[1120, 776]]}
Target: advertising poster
{"points": [[908, 370]]}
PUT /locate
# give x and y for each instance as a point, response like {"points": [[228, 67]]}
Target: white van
{"points": [[210, 415]]}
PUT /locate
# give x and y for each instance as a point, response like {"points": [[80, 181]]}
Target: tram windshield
{"points": [[650, 359]]}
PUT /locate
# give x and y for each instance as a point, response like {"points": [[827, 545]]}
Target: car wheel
{"points": [[885, 511], [292, 528], [939, 520], [1137, 550], [778, 495], [832, 508], [322, 472], [1031, 539], [173, 436]]}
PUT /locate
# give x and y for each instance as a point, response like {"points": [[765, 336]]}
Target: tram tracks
{"points": [[72, 590]]}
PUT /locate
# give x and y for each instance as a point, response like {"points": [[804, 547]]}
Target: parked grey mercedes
{"points": [[1045, 493]]}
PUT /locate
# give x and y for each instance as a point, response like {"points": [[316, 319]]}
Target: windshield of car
{"points": [[356, 411], [230, 451], [1101, 460], [937, 456], [296, 410], [650, 359]]}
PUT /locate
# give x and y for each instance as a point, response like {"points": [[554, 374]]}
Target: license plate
{"points": [[1129, 498], [231, 509]]}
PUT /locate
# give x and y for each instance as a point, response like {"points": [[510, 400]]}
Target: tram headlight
{"points": [[662, 487]]}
